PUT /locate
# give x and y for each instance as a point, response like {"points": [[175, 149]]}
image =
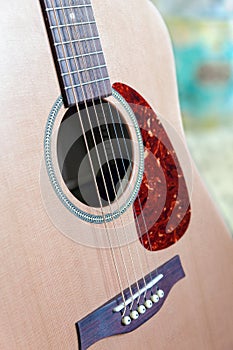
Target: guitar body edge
{"points": [[49, 282]]}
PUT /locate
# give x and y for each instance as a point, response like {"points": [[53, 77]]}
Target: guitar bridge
{"points": [[141, 302]]}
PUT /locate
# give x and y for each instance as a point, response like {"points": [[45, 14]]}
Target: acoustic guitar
{"points": [[109, 239]]}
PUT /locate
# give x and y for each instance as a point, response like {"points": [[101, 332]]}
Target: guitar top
{"points": [[109, 239]]}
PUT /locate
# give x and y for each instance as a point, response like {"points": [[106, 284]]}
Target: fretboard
{"points": [[77, 50]]}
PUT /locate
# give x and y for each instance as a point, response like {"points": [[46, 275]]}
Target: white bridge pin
{"points": [[155, 298], [148, 304], [126, 320], [160, 293], [141, 309], [134, 315]]}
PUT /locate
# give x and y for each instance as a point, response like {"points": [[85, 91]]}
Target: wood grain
{"points": [[43, 273]]}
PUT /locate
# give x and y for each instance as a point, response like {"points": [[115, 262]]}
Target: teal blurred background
{"points": [[202, 36]]}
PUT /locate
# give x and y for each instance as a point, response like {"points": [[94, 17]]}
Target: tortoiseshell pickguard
{"points": [[162, 208]]}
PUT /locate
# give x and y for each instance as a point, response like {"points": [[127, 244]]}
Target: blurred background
{"points": [[202, 36]]}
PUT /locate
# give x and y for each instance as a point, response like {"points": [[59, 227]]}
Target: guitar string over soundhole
{"points": [[112, 170]]}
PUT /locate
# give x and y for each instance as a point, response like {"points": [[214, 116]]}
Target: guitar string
{"points": [[116, 201], [126, 148], [147, 231], [67, 66], [86, 144], [79, 78], [119, 147], [127, 275], [123, 163], [113, 152], [109, 202], [118, 177], [119, 280]]}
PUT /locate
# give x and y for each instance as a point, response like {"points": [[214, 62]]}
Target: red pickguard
{"points": [[162, 208]]}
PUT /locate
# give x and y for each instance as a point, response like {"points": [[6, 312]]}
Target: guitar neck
{"points": [[77, 50]]}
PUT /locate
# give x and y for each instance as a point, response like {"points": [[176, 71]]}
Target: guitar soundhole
{"points": [[95, 168]]}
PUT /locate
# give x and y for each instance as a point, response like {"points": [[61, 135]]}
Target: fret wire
{"points": [[66, 7], [86, 69], [67, 21], [79, 56], [75, 41], [72, 24], [85, 14], [86, 83], [54, 13], [71, 43]]}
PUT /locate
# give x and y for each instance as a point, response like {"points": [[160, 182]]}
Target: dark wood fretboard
{"points": [[77, 50]]}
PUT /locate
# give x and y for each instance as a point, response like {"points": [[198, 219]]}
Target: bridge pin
{"points": [[148, 304], [141, 309], [160, 293], [134, 315], [126, 320], [155, 298]]}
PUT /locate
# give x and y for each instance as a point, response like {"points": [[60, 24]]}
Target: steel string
{"points": [[86, 144], [126, 148], [114, 156]]}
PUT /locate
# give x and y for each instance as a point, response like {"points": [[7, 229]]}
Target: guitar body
{"points": [[49, 281]]}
